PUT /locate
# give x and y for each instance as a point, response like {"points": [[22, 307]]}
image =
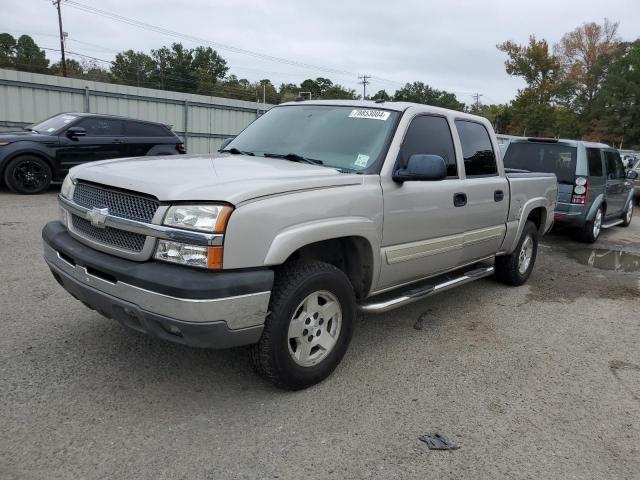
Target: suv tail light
{"points": [[180, 147], [580, 191]]}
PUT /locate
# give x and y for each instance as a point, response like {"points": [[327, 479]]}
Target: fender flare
{"points": [[594, 207], [527, 208], [292, 238], [629, 200]]}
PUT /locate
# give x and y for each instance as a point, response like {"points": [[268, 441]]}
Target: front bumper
{"points": [[180, 304]]}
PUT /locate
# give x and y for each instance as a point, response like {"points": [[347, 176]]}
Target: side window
{"points": [[430, 135], [101, 127], [139, 129], [594, 161], [477, 150], [615, 170]]}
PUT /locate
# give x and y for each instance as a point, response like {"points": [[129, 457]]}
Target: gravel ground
{"points": [[539, 381]]}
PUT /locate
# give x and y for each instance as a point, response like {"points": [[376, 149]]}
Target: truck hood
{"points": [[229, 178]]}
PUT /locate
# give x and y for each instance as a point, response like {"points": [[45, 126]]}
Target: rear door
{"points": [[103, 140], [142, 137], [486, 190], [423, 231], [616, 191]]}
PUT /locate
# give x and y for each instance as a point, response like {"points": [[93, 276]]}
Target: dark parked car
{"points": [[32, 159]]}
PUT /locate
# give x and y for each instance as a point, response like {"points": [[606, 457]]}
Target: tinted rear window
{"points": [[595, 162], [139, 129], [543, 157], [479, 157]]}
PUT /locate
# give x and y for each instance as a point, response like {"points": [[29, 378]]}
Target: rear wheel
{"points": [[309, 326], [515, 269], [591, 230], [27, 174], [628, 215]]}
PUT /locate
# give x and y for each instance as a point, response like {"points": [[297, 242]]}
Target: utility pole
{"points": [[56, 3], [476, 97], [365, 81]]}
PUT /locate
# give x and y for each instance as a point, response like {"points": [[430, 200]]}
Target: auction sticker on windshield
{"points": [[373, 114]]}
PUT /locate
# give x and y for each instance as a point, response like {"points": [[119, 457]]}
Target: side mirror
{"points": [[75, 132], [422, 167], [225, 142], [632, 175]]}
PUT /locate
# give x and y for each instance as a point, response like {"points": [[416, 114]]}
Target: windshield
{"points": [[543, 157], [53, 124], [338, 136]]}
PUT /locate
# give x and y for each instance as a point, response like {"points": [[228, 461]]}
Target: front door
{"points": [[103, 140], [423, 231]]}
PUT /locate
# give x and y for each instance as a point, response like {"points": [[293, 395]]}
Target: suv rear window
{"points": [[139, 129], [595, 162], [543, 157]]}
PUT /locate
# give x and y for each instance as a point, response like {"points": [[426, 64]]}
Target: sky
{"points": [[449, 45]]}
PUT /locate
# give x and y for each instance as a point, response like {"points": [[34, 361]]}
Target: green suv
{"points": [[593, 189]]}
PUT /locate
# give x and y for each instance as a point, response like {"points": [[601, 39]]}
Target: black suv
{"points": [[31, 160]]}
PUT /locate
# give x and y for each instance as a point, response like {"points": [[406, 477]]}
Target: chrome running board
{"points": [[387, 301], [612, 223]]}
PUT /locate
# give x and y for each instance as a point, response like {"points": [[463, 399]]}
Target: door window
{"points": [[477, 150], [615, 170], [430, 135], [101, 127], [139, 129], [594, 161]]}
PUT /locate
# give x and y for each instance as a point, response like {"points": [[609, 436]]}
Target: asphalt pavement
{"points": [[538, 381]]}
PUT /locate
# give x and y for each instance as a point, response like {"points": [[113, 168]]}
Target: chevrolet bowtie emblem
{"points": [[98, 216]]}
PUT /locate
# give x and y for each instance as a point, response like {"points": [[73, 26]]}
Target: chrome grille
{"points": [[121, 204], [113, 237]]}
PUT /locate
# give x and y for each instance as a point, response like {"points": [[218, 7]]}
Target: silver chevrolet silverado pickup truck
{"points": [[314, 212]]}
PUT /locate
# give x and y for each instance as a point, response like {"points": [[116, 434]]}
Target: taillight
{"points": [[580, 193], [180, 147]]}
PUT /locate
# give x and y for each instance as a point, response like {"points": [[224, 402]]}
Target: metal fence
{"points": [[203, 122]]}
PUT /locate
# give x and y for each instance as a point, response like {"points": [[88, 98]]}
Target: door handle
{"points": [[118, 141], [459, 199], [498, 196]]}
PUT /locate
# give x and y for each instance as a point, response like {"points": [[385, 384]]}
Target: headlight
{"points": [[67, 187], [203, 218], [190, 255]]}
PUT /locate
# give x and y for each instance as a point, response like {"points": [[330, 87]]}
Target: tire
{"points": [[27, 175], [627, 215], [290, 353], [515, 269], [591, 230]]}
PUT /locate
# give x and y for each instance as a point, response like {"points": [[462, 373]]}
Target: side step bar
{"points": [[613, 223], [381, 305]]}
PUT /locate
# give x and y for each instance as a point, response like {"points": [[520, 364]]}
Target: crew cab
{"points": [[316, 210], [43, 153]]}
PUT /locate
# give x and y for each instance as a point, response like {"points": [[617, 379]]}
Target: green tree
{"points": [[29, 57], [208, 68], [382, 95], [7, 50], [419, 92], [338, 92], [74, 68], [615, 117], [134, 68]]}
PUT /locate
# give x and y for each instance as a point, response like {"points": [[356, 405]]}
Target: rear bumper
{"points": [[570, 214], [183, 305]]}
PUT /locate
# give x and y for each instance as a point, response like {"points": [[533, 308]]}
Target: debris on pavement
{"points": [[436, 441]]}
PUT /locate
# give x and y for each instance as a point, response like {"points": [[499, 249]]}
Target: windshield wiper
{"points": [[235, 151], [294, 157]]}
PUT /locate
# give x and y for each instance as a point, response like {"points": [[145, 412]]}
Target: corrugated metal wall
{"points": [[204, 122]]}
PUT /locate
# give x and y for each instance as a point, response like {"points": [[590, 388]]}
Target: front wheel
{"points": [[309, 326], [515, 269], [27, 174]]}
